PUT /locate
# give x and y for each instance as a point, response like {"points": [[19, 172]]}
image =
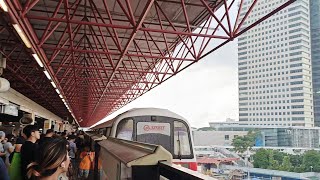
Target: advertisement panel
{"points": [[152, 127]]}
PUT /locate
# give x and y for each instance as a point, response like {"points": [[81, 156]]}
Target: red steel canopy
{"points": [[102, 54]]}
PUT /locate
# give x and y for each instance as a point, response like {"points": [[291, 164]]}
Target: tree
{"points": [[273, 164], [242, 143], [239, 144], [276, 160], [296, 160], [311, 159], [299, 169], [261, 159], [279, 156], [286, 164]]}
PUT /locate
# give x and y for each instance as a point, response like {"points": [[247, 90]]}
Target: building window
{"points": [[226, 137]]}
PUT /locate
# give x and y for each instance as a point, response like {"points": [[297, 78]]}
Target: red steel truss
{"points": [[103, 54], [24, 74]]}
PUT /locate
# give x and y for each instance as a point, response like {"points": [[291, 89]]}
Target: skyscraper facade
{"points": [[274, 67], [315, 54]]}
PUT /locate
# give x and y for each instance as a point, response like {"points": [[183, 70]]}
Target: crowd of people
{"points": [[29, 155]]}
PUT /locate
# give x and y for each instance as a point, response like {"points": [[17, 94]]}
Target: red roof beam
{"points": [[78, 22]]}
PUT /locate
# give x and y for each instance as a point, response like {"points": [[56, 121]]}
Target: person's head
{"points": [[64, 134], [16, 131], [32, 132], [86, 148], [10, 138], [49, 133], [2, 135], [53, 159], [72, 138]]}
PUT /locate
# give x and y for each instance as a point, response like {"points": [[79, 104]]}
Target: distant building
{"points": [[275, 70], [218, 125], [218, 138], [273, 136], [315, 56]]}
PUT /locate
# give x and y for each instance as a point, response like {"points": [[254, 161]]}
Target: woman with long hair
{"points": [[53, 161]]}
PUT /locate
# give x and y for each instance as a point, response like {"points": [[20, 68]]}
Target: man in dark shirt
{"points": [[47, 138], [29, 150]]}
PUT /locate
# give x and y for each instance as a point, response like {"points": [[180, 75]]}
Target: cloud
{"points": [[205, 92]]}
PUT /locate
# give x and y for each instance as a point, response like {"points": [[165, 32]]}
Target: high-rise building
{"points": [[315, 54], [275, 75]]}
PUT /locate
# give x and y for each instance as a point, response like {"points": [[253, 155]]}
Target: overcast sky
{"points": [[205, 92]]}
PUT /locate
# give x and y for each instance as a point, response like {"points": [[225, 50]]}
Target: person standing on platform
{"points": [[2, 153], [64, 135], [29, 150], [85, 163], [8, 148], [48, 137], [3, 171], [15, 162], [72, 150], [52, 162]]}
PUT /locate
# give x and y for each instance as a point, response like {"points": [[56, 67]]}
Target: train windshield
{"points": [[125, 129], [155, 133], [170, 133], [181, 139]]}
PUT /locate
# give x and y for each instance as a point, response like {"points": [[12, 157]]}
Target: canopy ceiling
{"points": [[102, 54]]}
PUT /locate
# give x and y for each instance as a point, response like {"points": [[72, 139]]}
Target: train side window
{"points": [[101, 131], [181, 139], [125, 129]]}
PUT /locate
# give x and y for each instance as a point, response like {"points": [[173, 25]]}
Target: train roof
{"points": [[140, 112]]}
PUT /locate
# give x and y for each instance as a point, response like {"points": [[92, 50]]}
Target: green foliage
{"points": [[239, 144], [273, 159], [273, 164], [286, 164], [311, 158], [242, 143], [299, 169], [261, 159], [279, 156], [296, 160]]}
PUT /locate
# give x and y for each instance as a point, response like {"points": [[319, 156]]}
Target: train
{"points": [[154, 126]]}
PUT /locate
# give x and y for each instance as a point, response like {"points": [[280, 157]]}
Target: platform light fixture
{"points": [[60, 96], [3, 5], [53, 84], [22, 35], [36, 57], [47, 74], [57, 90]]}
